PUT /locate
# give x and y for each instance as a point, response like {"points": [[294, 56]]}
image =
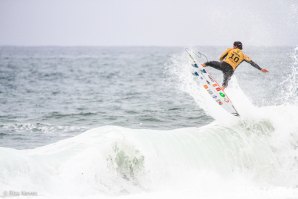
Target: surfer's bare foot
{"points": [[223, 88], [204, 65]]}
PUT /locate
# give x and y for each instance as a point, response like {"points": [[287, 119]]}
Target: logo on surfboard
{"points": [[222, 94], [219, 102]]}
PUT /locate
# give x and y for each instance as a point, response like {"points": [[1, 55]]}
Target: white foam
{"points": [[115, 160]]}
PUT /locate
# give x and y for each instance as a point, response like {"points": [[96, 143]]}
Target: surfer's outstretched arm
{"points": [[251, 62], [254, 64]]}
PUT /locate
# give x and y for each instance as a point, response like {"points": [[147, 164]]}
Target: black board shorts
{"points": [[225, 68]]}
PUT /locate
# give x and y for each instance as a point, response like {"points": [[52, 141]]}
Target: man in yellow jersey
{"points": [[229, 61]]}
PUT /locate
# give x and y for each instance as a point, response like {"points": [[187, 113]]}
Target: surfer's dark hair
{"points": [[238, 44]]}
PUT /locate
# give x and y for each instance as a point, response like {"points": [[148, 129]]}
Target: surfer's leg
{"points": [[227, 77], [227, 72], [214, 64]]}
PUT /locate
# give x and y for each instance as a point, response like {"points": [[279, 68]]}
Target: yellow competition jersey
{"points": [[234, 57]]}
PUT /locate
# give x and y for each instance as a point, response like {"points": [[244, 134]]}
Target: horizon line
{"points": [[146, 46]]}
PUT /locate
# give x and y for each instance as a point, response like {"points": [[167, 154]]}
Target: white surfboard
{"points": [[204, 79]]}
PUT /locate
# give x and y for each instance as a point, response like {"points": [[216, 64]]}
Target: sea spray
{"points": [[289, 86]]}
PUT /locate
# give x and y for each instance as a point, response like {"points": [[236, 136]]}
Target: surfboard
{"points": [[210, 85]]}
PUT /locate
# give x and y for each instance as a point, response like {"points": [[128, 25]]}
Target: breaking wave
{"points": [[254, 156]]}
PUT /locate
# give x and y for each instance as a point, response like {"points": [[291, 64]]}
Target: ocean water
{"points": [[130, 122]]}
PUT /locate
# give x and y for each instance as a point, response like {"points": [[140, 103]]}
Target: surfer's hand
{"points": [[264, 70]]}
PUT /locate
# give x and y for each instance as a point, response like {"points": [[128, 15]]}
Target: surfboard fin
{"points": [[236, 114]]}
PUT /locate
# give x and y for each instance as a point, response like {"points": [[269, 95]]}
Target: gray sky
{"points": [[148, 22]]}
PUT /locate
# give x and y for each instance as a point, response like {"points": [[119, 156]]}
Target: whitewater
{"points": [[252, 156]]}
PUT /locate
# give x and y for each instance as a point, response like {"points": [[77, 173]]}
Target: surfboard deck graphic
{"points": [[204, 79]]}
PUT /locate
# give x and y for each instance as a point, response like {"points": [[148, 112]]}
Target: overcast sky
{"points": [[148, 22]]}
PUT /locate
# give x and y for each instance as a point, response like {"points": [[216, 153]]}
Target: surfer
{"points": [[229, 61]]}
